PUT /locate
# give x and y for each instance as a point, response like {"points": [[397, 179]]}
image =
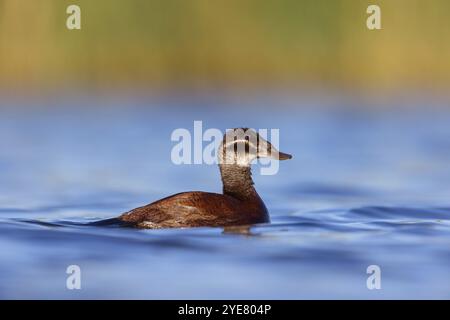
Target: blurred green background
{"points": [[232, 43]]}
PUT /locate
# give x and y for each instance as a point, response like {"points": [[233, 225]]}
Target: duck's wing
{"points": [[187, 209]]}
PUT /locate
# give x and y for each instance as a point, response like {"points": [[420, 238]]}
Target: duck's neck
{"points": [[237, 181]]}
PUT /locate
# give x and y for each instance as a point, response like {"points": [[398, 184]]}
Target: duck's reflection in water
{"points": [[241, 230]]}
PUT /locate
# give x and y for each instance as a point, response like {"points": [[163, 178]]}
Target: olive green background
{"points": [[240, 43]]}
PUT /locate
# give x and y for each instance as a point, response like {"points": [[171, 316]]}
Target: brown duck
{"points": [[239, 204]]}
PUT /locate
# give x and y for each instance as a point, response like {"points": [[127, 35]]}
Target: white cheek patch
{"points": [[237, 154], [243, 161]]}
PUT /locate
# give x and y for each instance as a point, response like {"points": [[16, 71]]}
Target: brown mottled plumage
{"points": [[239, 204]]}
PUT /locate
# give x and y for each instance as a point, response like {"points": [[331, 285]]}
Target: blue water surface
{"points": [[367, 186]]}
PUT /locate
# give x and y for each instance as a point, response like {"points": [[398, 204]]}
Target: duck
{"points": [[238, 205]]}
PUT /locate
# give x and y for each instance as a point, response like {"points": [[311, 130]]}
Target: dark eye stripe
{"points": [[257, 143], [246, 140]]}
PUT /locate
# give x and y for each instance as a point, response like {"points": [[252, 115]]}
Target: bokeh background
{"points": [[86, 118], [200, 44]]}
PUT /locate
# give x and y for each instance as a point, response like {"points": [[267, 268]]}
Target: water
{"points": [[364, 188]]}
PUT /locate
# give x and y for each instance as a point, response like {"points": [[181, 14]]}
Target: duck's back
{"points": [[196, 209]]}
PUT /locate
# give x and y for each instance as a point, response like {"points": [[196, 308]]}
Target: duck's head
{"points": [[240, 146]]}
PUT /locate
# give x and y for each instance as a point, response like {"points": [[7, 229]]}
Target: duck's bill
{"points": [[282, 156]]}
